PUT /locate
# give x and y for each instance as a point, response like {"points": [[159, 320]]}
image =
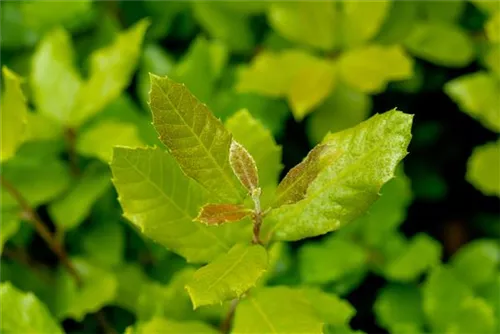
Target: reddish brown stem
{"points": [[31, 216], [225, 326], [73, 157]]}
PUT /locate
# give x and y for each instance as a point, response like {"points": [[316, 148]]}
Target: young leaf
{"points": [[277, 310], [228, 276], [346, 188], [309, 23], [260, 143], [167, 326], [111, 69], [483, 169], [371, 67], [72, 301], [305, 80], [330, 308], [478, 95], [55, 82], [71, 209], [24, 313], [197, 140], [243, 166], [98, 141], [159, 199], [216, 214], [14, 114]]}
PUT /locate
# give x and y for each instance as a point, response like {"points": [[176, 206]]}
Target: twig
{"points": [[106, 327], [73, 157], [225, 325], [30, 215], [257, 217]]}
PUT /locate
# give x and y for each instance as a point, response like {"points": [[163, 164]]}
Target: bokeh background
{"points": [[303, 69]]}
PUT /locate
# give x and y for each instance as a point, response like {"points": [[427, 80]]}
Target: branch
{"points": [[225, 326], [31, 215], [73, 157], [257, 216]]}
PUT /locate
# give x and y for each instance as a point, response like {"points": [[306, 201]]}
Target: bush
{"points": [[204, 167]]}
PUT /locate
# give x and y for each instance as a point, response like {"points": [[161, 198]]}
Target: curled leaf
{"points": [[243, 166], [216, 214]]}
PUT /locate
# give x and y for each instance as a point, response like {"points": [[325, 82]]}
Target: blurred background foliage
{"points": [[424, 259]]}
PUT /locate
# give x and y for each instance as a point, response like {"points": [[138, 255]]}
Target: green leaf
{"points": [[421, 254], [15, 32], [443, 296], [388, 212], [131, 280], [252, 134], [491, 59], [309, 23], [330, 308], [478, 95], [475, 316], [198, 141], [302, 78], [440, 43], [111, 69], [482, 168], [487, 7], [244, 167], [361, 20], [54, 81], [492, 28], [14, 114], [477, 262], [40, 127], [228, 276], [104, 243], [161, 201], [72, 301], [24, 313], [216, 214], [98, 141], [317, 265], [399, 22], [40, 16], [10, 224], [166, 326], [277, 310], [489, 292], [343, 191], [446, 11], [38, 182], [344, 108], [399, 306], [225, 25], [73, 208], [370, 68], [201, 67]]}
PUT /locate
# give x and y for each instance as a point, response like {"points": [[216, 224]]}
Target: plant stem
{"points": [[31, 215], [106, 327], [225, 326], [73, 157], [257, 217]]}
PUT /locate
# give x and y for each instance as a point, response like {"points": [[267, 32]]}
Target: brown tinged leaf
{"points": [[244, 166], [216, 214]]}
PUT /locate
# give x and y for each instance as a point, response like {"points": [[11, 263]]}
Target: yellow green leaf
{"points": [[483, 169], [197, 140], [167, 326], [370, 68], [228, 276], [14, 114]]}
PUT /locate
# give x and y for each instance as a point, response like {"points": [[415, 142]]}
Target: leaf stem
{"points": [[257, 216], [225, 326], [30, 215]]}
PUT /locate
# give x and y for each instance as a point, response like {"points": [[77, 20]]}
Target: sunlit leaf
{"points": [[14, 114], [369, 154], [483, 169], [24, 313], [166, 326], [370, 68], [161, 201], [478, 95], [197, 140], [228, 276], [440, 43]]}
